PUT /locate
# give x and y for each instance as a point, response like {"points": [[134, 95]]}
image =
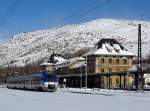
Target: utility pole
{"points": [[80, 78], [27, 71], [8, 68], [86, 73], [86, 69], [139, 78]]}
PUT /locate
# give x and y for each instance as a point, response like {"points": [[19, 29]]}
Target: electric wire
{"points": [[10, 11]]}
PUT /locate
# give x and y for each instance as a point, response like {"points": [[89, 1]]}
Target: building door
{"points": [[102, 82]]}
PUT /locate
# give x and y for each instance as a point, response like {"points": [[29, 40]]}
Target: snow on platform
{"points": [[62, 100], [106, 92], [88, 91]]}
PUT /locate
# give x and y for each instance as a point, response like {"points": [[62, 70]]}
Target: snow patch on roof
{"points": [[76, 59], [79, 65], [110, 49], [46, 64], [60, 59]]}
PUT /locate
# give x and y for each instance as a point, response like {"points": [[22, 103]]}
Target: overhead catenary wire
{"points": [[93, 6], [140, 17], [84, 11], [10, 11], [146, 18], [79, 12], [104, 2]]}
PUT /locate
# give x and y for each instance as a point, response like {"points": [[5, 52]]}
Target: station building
{"points": [[108, 65], [109, 60]]}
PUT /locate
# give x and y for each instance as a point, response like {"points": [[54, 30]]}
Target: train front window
{"points": [[52, 78]]}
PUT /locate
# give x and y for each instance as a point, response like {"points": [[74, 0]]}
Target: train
{"points": [[42, 81]]}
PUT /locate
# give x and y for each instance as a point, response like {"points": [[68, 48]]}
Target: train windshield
{"points": [[52, 78]]}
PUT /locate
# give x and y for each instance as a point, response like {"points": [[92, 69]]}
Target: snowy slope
{"points": [[34, 46]]}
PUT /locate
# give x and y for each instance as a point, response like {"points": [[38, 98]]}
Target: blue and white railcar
{"points": [[39, 81]]}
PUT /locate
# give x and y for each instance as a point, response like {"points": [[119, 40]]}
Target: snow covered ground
{"points": [[62, 100]]}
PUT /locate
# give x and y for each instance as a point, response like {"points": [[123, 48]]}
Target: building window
{"points": [[117, 82], [102, 70], [118, 69], [110, 69], [102, 60], [124, 61], [102, 82], [110, 60], [117, 61], [124, 69], [110, 82]]}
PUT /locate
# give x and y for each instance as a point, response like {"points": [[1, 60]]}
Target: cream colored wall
{"points": [[115, 66], [48, 67], [114, 84]]}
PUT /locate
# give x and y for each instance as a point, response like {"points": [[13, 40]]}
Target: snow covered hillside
{"points": [[40, 44]]}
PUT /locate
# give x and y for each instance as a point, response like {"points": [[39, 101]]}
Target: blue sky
{"points": [[41, 14]]}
